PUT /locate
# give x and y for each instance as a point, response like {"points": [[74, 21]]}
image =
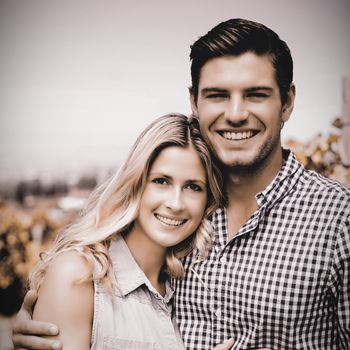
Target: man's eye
{"points": [[216, 96], [257, 95], [160, 181]]}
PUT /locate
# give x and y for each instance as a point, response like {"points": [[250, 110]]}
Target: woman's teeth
{"points": [[168, 221]]}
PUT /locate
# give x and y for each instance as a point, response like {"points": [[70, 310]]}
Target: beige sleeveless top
{"points": [[136, 316]]}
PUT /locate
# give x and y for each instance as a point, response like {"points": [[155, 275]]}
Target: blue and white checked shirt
{"points": [[283, 281]]}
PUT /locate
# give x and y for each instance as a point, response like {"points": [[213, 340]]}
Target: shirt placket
{"points": [[163, 307], [223, 252]]}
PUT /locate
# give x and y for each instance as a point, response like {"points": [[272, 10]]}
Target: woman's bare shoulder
{"points": [[67, 266]]}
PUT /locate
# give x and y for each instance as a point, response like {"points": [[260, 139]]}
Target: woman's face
{"points": [[174, 200]]}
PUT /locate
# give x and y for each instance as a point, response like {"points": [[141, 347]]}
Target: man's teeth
{"points": [[229, 135], [168, 221]]}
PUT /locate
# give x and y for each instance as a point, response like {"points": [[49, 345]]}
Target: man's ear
{"points": [[193, 104], [287, 108]]}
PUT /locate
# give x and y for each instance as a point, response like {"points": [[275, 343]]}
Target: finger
{"points": [[32, 342], [226, 345], [28, 326], [29, 301]]}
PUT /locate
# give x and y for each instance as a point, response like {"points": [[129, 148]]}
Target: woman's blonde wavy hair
{"points": [[113, 206]]}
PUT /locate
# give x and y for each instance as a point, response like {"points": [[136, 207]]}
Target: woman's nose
{"points": [[175, 199]]}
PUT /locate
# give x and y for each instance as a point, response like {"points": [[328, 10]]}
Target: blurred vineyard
{"points": [[33, 212], [323, 155], [30, 218]]}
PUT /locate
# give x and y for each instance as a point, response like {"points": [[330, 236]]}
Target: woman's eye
{"points": [[194, 187], [160, 181]]}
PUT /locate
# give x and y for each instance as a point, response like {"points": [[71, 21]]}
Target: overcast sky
{"points": [[80, 79]]}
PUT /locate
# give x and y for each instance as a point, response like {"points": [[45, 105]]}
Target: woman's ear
{"points": [[287, 108]]}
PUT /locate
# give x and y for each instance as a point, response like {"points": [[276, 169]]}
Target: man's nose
{"points": [[236, 111]]}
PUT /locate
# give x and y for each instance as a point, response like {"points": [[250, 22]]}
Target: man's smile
{"points": [[234, 135]]}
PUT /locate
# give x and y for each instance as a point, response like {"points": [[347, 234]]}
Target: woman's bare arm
{"points": [[66, 303]]}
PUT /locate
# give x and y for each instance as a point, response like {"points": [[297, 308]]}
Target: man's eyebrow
{"points": [[260, 88], [208, 90]]}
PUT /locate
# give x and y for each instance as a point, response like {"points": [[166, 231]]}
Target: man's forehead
{"points": [[248, 67]]}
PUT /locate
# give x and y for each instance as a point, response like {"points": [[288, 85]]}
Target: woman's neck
{"points": [[149, 257]]}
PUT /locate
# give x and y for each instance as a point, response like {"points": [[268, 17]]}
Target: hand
{"points": [[226, 345], [28, 334]]}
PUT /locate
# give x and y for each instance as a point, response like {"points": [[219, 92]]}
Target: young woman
{"points": [[105, 280]]}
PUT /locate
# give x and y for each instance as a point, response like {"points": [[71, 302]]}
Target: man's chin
{"points": [[244, 161], [240, 166]]}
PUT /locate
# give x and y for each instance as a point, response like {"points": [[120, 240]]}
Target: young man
{"points": [[277, 275]]}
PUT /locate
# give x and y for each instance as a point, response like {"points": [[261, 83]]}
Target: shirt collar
{"points": [[128, 273], [284, 181], [281, 185]]}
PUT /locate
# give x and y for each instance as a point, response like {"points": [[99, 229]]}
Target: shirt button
{"points": [[218, 313], [218, 211]]}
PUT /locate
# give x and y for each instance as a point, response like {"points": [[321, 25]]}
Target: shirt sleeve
{"points": [[340, 285]]}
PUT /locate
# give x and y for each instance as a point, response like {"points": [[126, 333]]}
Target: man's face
{"points": [[240, 111]]}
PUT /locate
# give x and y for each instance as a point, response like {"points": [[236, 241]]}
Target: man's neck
{"points": [[241, 189], [242, 184]]}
